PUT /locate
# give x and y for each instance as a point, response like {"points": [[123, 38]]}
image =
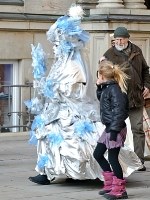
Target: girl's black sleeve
{"points": [[98, 92]]}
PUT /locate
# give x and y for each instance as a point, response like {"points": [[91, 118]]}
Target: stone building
{"points": [[25, 22]]}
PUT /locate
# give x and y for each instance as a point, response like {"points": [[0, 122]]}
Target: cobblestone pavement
{"points": [[17, 163]]}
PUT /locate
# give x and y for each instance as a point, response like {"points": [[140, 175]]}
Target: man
{"points": [[131, 60]]}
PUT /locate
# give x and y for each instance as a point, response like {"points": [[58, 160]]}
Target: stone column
{"points": [[134, 4], [110, 4], [87, 4]]}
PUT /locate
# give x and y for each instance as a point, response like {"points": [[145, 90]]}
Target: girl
{"points": [[111, 92]]}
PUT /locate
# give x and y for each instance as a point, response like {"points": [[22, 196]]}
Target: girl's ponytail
{"points": [[111, 71], [120, 77]]}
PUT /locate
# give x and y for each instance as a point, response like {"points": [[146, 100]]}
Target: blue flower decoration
{"points": [[39, 61], [38, 122], [48, 89], [33, 140], [55, 138], [28, 103], [83, 127], [43, 160]]}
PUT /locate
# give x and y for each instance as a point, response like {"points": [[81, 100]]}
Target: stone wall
{"points": [[53, 7]]}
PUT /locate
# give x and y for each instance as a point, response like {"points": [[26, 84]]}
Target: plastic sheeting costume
{"points": [[67, 122]]}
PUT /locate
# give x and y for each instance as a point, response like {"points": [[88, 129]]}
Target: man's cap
{"points": [[121, 32]]}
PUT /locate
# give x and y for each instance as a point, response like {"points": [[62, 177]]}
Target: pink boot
{"points": [[108, 179], [118, 190]]}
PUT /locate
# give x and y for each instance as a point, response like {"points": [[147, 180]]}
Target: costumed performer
{"points": [[67, 125]]}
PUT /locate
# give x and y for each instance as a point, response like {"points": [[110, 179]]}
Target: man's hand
{"points": [[101, 59], [145, 92]]}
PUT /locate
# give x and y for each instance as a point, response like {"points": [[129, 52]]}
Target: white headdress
{"points": [[67, 31]]}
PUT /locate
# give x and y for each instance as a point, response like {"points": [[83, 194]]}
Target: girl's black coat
{"points": [[114, 106]]}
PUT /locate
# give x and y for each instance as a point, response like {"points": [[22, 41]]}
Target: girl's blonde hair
{"points": [[111, 71]]}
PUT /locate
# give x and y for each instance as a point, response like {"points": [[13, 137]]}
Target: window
{"points": [[8, 94], [147, 3]]}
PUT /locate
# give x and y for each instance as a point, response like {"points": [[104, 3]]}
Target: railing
{"points": [[12, 108]]}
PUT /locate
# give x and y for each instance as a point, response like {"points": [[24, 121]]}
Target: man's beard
{"points": [[120, 48]]}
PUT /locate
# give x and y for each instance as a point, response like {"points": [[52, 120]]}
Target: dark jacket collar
{"points": [[106, 84]]}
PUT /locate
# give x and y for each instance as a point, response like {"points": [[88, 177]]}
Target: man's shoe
{"points": [[40, 179], [142, 169]]}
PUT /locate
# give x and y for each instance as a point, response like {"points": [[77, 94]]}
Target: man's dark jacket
{"points": [[135, 82]]}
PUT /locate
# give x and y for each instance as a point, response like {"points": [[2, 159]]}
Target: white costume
{"points": [[67, 125]]}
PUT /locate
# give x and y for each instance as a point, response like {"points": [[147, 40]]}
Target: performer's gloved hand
{"points": [[113, 136]]}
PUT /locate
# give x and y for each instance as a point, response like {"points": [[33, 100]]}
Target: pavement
{"points": [[17, 163]]}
